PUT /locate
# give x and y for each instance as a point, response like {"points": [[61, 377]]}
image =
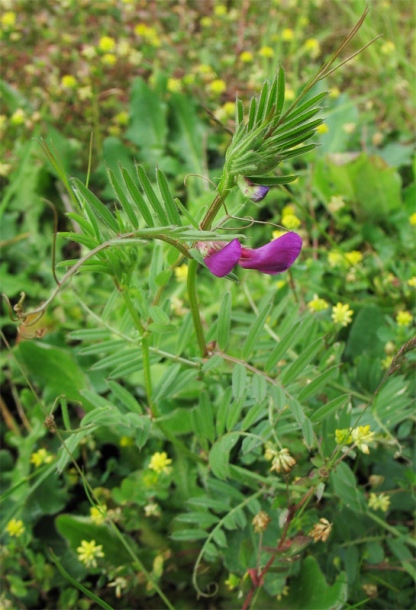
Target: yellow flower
{"points": [[388, 47], [106, 44], [412, 282], [342, 314], [149, 34], [323, 128], [335, 259], [404, 318], [334, 93], [85, 93], [290, 221], [229, 109], [283, 461], [379, 501], [277, 233], [109, 59], [174, 85], [8, 19], [218, 86], [343, 437], [159, 462], [220, 10], [89, 552], [181, 273], [288, 34], [412, 219], [280, 284], [361, 437], [15, 528], [5, 169], [206, 22], [289, 94], [126, 441], [122, 118], [98, 515], [246, 57], [386, 362], [68, 81], [261, 521], [317, 304], [321, 530], [232, 582], [288, 209], [41, 456], [266, 52], [312, 47], [188, 79], [354, 257], [18, 117]]}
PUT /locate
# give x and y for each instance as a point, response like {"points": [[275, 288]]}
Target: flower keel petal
{"points": [[220, 263], [275, 257]]}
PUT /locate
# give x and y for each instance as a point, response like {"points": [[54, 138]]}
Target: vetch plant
{"points": [[232, 416]]}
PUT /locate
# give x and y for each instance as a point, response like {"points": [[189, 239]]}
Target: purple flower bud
{"points": [[255, 192], [275, 257]]}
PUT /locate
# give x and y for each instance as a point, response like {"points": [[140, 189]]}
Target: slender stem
{"points": [[193, 302]]}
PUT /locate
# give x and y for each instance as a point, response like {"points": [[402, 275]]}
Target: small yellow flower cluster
{"points": [[404, 318], [412, 219], [321, 129], [321, 530], [106, 44], [89, 552], [220, 10], [379, 501], [282, 461], [360, 436], [126, 441], [317, 304], [122, 118], [343, 437], [218, 86], [174, 85], [287, 35], [98, 515], [41, 456], [181, 273], [15, 528], [412, 282], [266, 51], [8, 19], [261, 521], [335, 259], [246, 57], [289, 219], [342, 314], [312, 47], [109, 59], [18, 117], [152, 509], [68, 81], [148, 34], [388, 47], [206, 22], [336, 203], [353, 258], [232, 582], [159, 462]]}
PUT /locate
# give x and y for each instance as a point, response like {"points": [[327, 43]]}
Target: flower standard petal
{"points": [[275, 257], [222, 261]]}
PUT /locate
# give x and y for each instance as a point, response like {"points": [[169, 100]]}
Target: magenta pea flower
{"points": [[255, 192], [275, 257]]}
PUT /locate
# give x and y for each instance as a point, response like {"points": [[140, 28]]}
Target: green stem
{"points": [[224, 189], [193, 303]]}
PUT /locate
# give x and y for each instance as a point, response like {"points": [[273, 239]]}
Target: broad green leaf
{"points": [[239, 379], [201, 518], [329, 408], [220, 454], [309, 590], [307, 431], [259, 387], [224, 321], [219, 506], [346, 489], [282, 347], [164, 388], [125, 397], [233, 414], [188, 535], [222, 411], [316, 384], [293, 370], [255, 330], [102, 212], [203, 418]]}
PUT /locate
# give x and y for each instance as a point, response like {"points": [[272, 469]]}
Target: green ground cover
{"points": [[175, 439]]}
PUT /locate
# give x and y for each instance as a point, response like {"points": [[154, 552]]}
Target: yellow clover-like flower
{"points": [[41, 456], [379, 501], [362, 437], [321, 530], [342, 314], [404, 318], [317, 304], [15, 528], [89, 552], [159, 462]]}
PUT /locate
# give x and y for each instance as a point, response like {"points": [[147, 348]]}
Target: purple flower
{"points": [[275, 257], [255, 192]]}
